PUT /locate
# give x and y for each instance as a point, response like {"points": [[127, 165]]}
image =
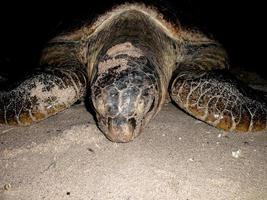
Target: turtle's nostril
{"points": [[132, 121], [120, 129]]}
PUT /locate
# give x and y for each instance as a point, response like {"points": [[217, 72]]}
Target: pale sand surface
{"points": [[176, 157]]}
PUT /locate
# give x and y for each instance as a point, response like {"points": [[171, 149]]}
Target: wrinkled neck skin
{"points": [[133, 44], [143, 33]]}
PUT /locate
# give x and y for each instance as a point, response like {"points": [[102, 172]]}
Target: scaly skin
{"points": [[220, 100]]}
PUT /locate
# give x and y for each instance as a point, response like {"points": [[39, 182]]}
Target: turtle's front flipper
{"points": [[219, 99], [47, 92]]}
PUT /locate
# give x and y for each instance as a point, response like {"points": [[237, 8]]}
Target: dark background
{"points": [[25, 27]]}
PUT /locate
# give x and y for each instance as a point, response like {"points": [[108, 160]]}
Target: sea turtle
{"points": [[128, 62]]}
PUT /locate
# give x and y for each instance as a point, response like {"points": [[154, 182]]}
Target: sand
{"points": [[176, 157]]}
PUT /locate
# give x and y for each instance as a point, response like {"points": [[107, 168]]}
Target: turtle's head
{"points": [[122, 109], [124, 95]]}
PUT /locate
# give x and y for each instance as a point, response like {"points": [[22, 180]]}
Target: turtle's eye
{"points": [[124, 92]]}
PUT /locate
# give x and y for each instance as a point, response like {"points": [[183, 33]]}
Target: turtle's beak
{"points": [[120, 130]]}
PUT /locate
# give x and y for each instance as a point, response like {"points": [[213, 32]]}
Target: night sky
{"points": [[25, 27]]}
